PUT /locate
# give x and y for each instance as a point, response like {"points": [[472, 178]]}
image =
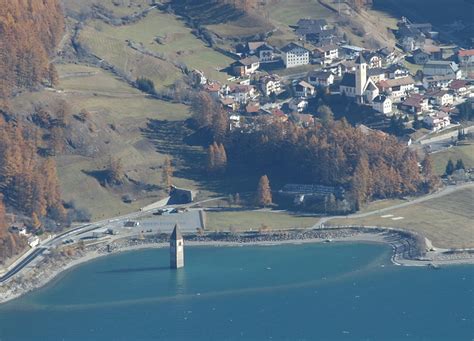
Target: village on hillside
{"points": [[373, 88]]}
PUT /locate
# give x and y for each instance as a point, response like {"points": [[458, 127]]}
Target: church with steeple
{"points": [[176, 249], [357, 85]]}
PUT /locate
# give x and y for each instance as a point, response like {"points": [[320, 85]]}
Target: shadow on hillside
{"points": [[169, 138], [99, 175], [207, 13]]}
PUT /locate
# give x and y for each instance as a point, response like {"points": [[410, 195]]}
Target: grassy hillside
{"points": [[176, 44], [118, 126], [446, 221], [464, 152]]}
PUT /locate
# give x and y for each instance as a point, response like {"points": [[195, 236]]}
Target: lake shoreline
{"points": [[405, 251]]}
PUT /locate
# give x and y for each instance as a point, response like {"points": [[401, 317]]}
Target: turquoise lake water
{"points": [[291, 292]]}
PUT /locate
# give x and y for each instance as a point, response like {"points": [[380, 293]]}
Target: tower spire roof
{"points": [[176, 233], [361, 59]]}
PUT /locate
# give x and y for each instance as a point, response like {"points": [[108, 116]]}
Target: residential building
{"points": [[33, 241], [214, 89], [440, 97], [246, 66], [461, 87], [466, 57], [397, 88], [415, 104], [376, 74], [242, 94], [396, 71], [326, 54], [411, 43], [382, 104], [427, 53], [442, 68], [252, 46], [421, 57], [304, 89], [234, 121], [437, 121], [298, 104], [252, 108], [320, 78], [270, 84], [438, 82], [373, 59], [295, 55], [265, 53], [315, 31]]}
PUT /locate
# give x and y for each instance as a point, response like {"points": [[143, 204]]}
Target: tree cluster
{"points": [[216, 158], [10, 243], [29, 32], [209, 115], [371, 165], [451, 167], [28, 182], [146, 85]]}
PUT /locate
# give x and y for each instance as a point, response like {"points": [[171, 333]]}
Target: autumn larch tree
{"points": [[361, 182], [53, 75], [167, 173], [430, 179], [216, 158], [114, 172], [264, 192], [203, 108]]}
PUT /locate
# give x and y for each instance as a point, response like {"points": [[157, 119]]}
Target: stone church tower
{"points": [[176, 249], [361, 77]]}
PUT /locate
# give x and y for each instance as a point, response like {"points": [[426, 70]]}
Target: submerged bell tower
{"points": [[176, 249]]}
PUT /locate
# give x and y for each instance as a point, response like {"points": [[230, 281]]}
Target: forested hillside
{"points": [[29, 32]]}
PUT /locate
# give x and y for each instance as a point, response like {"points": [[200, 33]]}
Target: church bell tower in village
{"points": [[176, 249], [360, 77]]}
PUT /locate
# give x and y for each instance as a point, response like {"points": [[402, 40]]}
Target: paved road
{"points": [[190, 221], [445, 191], [22, 264]]}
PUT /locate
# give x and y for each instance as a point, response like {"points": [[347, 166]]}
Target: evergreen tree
{"points": [[449, 167], [264, 192], [460, 164], [146, 85], [417, 124]]}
